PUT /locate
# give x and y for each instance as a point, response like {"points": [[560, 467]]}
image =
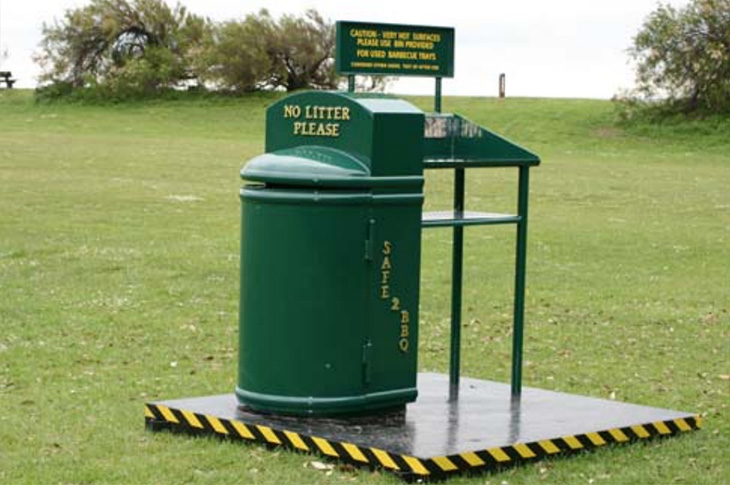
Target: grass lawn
{"points": [[119, 285]]}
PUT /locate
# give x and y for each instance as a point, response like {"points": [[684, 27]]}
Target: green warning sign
{"points": [[396, 50]]}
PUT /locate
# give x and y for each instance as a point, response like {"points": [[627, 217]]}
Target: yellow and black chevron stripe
{"points": [[524, 452], [159, 416]]}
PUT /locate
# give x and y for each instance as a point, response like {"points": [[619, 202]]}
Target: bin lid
{"points": [[316, 166], [386, 134]]}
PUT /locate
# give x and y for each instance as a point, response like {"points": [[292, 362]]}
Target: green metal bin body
{"points": [[330, 256]]}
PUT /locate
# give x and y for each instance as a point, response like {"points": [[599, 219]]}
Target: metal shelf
{"points": [[431, 163], [453, 142], [466, 218]]}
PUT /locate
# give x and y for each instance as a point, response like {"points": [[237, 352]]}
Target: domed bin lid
{"points": [[308, 166]]}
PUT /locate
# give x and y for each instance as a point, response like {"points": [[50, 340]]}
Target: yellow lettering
{"points": [[395, 304], [387, 247], [385, 277], [385, 292], [367, 42], [386, 263], [316, 129], [363, 33], [403, 344], [292, 111], [405, 317], [319, 112], [404, 331], [427, 37], [411, 44], [402, 55], [333, 129]]}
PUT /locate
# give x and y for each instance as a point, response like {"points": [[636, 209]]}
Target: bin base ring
{"points": [[360, 405]]}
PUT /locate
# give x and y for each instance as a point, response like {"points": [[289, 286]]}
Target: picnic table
{"points": [[5, 78]]}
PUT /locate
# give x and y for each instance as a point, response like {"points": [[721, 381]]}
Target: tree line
{"points": [[133, 48]]}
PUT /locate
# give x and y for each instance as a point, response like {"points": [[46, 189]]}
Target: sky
{"points": [[558, 48]]}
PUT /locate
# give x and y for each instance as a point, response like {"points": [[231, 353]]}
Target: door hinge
{"points": [[369, 239], [367, 351]]}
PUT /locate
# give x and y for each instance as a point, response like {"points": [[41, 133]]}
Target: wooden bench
{"points": [[5, 78]]}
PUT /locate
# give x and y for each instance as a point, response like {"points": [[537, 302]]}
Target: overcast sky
{"points": [[558, 48]]}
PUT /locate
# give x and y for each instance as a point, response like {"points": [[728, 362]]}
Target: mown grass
{"points": [[119, 279]]}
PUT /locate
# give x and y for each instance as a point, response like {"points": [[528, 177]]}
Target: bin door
{"points": [[394, 283], [304, 298]]}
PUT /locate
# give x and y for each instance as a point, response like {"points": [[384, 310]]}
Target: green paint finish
{"points": [[457, 269], [303, 275], [520, 275], [315, 166], [384, 134], [289, 121], [312, 341], [394, 50], [330, 257], [451, 139], [330, 251], [394, 294]]}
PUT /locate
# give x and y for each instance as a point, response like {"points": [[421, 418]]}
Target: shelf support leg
{"points": [[520, 269], [457, 262]]}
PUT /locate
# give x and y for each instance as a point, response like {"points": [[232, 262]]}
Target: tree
{"points": [[126, 48], [293, 52], [303, 50], [683, 56], [139, 45], [238, 54]]}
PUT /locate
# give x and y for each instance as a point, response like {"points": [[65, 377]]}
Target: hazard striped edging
{"points": [[159, 416]]}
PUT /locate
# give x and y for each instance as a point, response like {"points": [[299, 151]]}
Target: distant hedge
{"points": [[136, 48]]}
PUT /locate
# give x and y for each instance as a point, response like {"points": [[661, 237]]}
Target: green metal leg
{"points": [[351, 83], [457, 261], [520, 269], [437, 96]]}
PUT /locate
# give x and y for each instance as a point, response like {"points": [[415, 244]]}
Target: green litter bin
{"points": [[330, 256]]}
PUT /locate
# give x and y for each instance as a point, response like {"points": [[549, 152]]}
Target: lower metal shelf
{"points": [[466, 218]]}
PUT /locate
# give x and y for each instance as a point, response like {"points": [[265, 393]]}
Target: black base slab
{"points": [[485, 429]]}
